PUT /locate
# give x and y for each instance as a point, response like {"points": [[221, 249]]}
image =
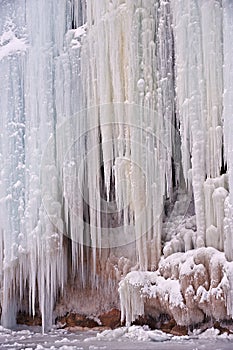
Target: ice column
{"points": [[227, 116], [198, 50]]}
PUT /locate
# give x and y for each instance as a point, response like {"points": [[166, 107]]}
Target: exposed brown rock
{"points": [[76, 320], [222, 329], [179, 330], [168, 326], [23, 318], [111, 318], [148, 320]]}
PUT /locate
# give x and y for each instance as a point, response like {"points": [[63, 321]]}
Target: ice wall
{"points": [[199, 60], [202, 34], [227, 107], [112, 119]]}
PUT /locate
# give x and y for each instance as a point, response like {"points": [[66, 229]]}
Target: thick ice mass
{"points": [[116, 158], [187, 286]]}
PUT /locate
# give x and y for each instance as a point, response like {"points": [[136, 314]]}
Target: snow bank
{"points": [[144, 334], [134, 333]]}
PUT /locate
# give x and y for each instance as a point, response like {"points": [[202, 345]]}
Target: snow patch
{"points": [[10, 44]]}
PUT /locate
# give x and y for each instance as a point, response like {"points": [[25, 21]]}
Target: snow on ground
{"points": [[125, 338]]}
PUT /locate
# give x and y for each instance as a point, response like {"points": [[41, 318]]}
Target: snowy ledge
{"points": [[187, 287], [10, 44]]}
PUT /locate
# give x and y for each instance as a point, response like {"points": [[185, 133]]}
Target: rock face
{"points": [[76, 320], [111, 319], [168, 326], [23, 318], [223, 328], [179, 330]]}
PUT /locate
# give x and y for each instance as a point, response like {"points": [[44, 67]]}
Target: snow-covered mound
{"points": [[133, 333], [187, 287], [144, 334]]}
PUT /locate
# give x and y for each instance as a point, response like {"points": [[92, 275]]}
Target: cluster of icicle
{"points": [[108, 108], [189, 286]]}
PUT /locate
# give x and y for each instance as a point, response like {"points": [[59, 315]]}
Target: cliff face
{"points": [[116, 149]]}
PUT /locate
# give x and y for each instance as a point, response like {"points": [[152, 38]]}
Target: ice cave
{"points": [[116, 159]]}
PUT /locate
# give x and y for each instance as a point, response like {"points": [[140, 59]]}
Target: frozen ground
{"points": [[120, 339]]}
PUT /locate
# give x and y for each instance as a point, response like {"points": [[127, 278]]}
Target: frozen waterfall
{"points": [[116, 152]]}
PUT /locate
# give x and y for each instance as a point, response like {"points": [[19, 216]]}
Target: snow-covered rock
{"points": [[186, 286]]}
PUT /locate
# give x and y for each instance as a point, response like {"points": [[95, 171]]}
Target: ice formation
{"points": [[187, 287], [115, 149]]}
